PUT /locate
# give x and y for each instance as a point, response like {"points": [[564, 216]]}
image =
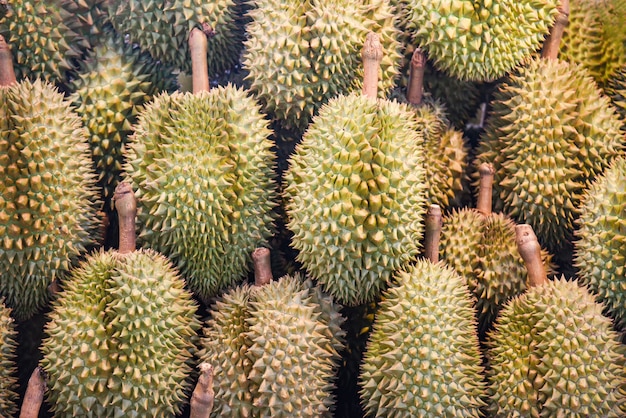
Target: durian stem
{"points": [[198, 45], [203, 395], [485, 189], [33, 398], [415, 90], [372, 56], [262, 266], [553, 40], [126, 206], [432, 233], [7, 73], [530, 250]]}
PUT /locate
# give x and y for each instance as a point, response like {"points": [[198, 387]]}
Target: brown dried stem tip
{"points": [[415, 90], [126, 206], [203, 395], [7, 73], [33, 398], [530, 250], [553, 40], [485, 188], [198, 46], [372, 56], [262, 266], [432, 233]]}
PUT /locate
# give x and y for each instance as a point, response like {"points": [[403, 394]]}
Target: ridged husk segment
{"points": [[8, 369], [202, 169], [479, 41], [120, 338], [48, 195], [550, 133], [600, 245], [422, 358], [616, 90], [115, 82], [355, 192], [553, 353], [299, 54], [89, 18], [162, 27], [274, 350]]}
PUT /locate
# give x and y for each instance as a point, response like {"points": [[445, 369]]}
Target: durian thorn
{"points": [[432, 233], [203, 395], [33, 397], [372, 56], [485, 188], [262, 266], [7, 73], [126, 206], [553, 40], [415, 90], [530, 250], [198, 45]]}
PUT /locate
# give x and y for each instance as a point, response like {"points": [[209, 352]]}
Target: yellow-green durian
{"points": [[355, 193], [8, 369], [299, 54], [48, 196], [120, 338], [422, 358]]}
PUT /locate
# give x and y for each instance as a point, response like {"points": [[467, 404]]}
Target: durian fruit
{"points": [[120, 336], [616, 90], [91, 17], [202, 168], [549, 134], [479, 41], [552, 352], [48, 197], [299, 54], [8, 370], [600, 245]]}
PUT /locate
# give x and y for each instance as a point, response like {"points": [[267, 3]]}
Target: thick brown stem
{"points": [[262, 266], [530, 250], [7, 73], [33, 398], [553, 41], [415, 90], [198, 45], [203, 395], [372, 55], [432, 233], [126, 206], [485, 189]]}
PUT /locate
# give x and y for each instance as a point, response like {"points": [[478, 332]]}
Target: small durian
{"points": [[8, 369]]}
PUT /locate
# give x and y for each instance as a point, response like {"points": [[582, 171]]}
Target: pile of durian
{"points": [[313, 208]]}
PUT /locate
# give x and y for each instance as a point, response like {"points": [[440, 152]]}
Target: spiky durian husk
{"points": [[550, 133], [90, 16], [43, 40], [111, 89], [478, 41], [422, 358], [299, 54], [355, 193], [48, 195], [616, 90], [600, 247], [202, 168], [162, 28], [8, 370], [120, 338], [553, 353]]}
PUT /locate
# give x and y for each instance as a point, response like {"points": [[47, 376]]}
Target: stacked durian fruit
{"points": [[152, 152]]}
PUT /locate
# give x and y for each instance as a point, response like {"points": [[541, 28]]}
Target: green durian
{"points": [[355, 193], [299, 54], [8, 369], [600, 245], [422, 358], [48, 197], [90, 17]]}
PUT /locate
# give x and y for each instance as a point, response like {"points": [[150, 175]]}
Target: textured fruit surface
{"points": [[8, 371], [553, 353], [600, 245], [616, 90], [422, 358], [202, 170], [356, 198], [299, 54], [89, 18], [48, 195], [120, 338]]}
